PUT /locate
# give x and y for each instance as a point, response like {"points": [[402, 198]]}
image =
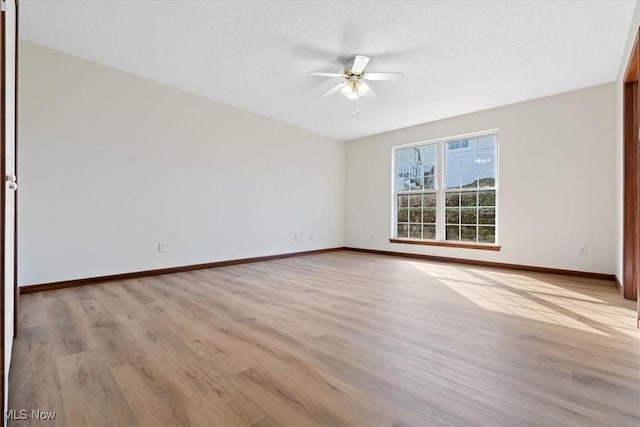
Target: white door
{"points": [[9, 184]]}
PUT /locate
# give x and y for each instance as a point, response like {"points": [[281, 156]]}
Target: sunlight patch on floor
{"points": [[527, 297], [528, 283], [507, 302], [562, 298]]}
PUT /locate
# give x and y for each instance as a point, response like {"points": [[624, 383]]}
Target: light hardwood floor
{"points": [[338, 338]]}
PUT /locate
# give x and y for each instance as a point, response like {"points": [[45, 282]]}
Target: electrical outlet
{"points": [[162, 247], [310, 236], [372, 237], [296, 237], [583, 250]]}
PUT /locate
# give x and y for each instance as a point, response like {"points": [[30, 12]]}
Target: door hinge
{"points": [[3, 5]]}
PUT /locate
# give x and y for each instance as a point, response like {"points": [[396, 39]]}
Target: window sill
{"points": [[482, 246]]}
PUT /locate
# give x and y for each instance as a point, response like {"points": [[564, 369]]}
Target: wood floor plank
{"points": [[97, 313], [282, 403], [213, 399], [116, 344], [338, 338], [33, 311], [116, 298], [68, 327], [209, 342], [154, 398], [92, 396], [38, 384], [267, 421]]}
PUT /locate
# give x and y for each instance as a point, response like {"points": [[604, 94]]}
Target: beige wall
{"points": [[557, 181], [112, 164]]}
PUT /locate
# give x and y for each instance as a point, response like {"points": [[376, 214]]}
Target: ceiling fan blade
{"points": [[384, 76], [323, 74], [335, 89], [359, 62]]}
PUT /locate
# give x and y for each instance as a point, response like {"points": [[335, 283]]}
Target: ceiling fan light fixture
{"points": [[363, 88], [355, 90], [349, 91]]}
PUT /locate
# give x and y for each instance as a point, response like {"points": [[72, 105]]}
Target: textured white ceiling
{"points": [[458, 57]]}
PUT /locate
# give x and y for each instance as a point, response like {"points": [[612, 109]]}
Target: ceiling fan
{"points": [[354, 79]]}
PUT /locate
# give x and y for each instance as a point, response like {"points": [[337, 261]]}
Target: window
{"points": [[416, 192], [446, 190]]}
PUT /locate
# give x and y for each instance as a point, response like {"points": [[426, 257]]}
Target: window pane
{"points": [[403, 167], [402, 183], [416, 182], [453, 232], [487, 216], [487, 198], [429, 200], [468, 216], [415, 231], [471, 163], [468, 198], [487, 142], [403, 155], [452, 199], [486, 181], [403, 215], [486, 169], [429, 232], [452, 164], [468, 233], [472, 146], [429, 215], [486, 158], [429, 181], [416, 200], [403, 201], [403, 230], [415, 167], [426, 160], [415, 215], [453, 180], [486, 234], [469, 180], [453, 215]]}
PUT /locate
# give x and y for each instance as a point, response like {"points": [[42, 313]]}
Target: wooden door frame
{"points": [[631, 225]]}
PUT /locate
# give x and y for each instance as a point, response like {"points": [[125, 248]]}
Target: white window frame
{"points": [[440, 189]]}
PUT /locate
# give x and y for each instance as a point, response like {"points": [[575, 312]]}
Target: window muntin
{"points": [[456, 202]]}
